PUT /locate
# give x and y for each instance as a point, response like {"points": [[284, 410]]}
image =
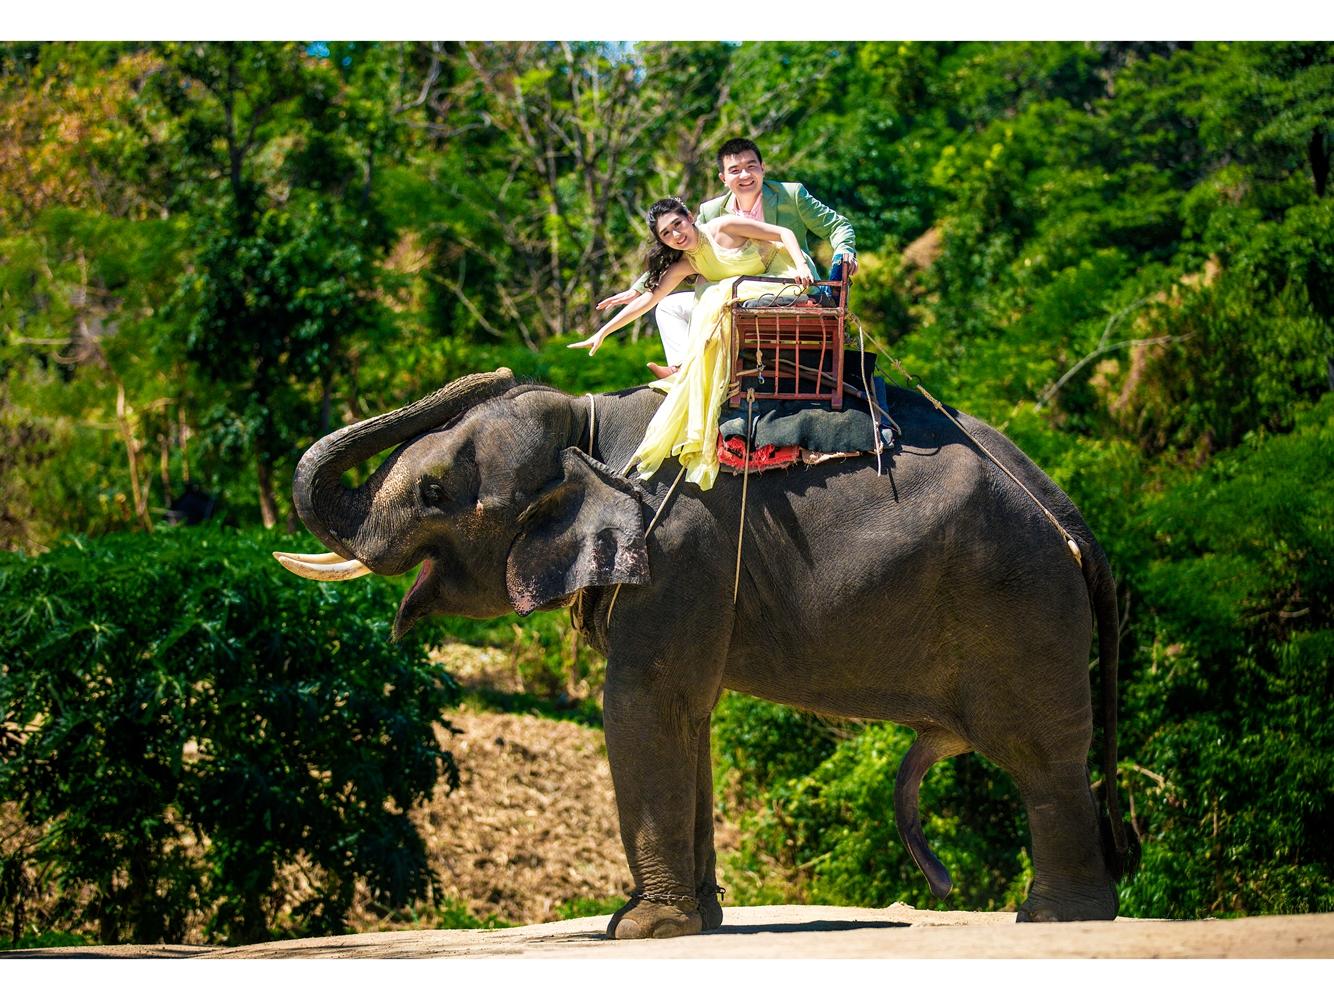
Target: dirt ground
{"points": [[806, 932]]}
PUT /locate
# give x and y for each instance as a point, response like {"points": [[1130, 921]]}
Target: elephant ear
{"points": [[584, 530]]}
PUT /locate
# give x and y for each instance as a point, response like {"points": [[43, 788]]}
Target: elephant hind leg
{"points": [[1071, 880], [931, 746]]}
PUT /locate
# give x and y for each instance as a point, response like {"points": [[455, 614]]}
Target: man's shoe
{"points": [[662, 371]]}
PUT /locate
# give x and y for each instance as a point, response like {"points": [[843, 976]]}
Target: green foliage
{"points": [[616, 365], [47, 939], [559, 675], [61, 282], [1275, 115], [758, 744], [571, 909], [187, 728], [832, 826], [1227, 712], [1248, 350], [276, 160]]}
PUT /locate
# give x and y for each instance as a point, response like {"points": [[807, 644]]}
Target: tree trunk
{"points": [[132, 450], [1319, 155], [268, 503], [183, 430], [326, 404], [164, 467]]}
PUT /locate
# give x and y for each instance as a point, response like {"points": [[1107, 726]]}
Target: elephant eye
{"points": [[433, 494]]}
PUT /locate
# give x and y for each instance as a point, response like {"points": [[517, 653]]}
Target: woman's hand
{"points": [[803, 277], [637, 306], [592, 343]]}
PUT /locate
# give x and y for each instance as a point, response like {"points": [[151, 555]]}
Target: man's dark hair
{"points": [[735, 147]]}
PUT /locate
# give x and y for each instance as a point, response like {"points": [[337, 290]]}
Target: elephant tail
{"points": [[1121, 844]]}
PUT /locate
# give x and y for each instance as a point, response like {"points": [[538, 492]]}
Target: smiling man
{"points": [[780, 203]]}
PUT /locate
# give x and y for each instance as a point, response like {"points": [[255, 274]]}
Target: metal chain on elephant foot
{"points": [[669, 898], [663, 898]]}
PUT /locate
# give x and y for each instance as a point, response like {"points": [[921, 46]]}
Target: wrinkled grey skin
{"points": [[936, 596]]}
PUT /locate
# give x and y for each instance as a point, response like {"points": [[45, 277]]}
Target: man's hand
{"points": [[619, 299], [849, 266]]}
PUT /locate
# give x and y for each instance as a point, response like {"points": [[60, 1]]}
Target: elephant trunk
{"points": [[333, 512]]}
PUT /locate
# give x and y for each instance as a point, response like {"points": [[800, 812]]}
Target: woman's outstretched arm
{"points": [[645, 301], [739, 226]]}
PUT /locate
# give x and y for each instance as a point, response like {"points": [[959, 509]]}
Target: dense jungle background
{"points": [[1122, 254]]}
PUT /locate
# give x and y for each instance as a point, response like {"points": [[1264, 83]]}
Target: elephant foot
{"points": [[646, 918], [711, 905], [1095, 904]]}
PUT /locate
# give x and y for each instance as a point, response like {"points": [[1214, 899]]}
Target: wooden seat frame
{"points": [[789, 343]]}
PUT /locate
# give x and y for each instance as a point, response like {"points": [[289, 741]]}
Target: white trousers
{"points": [[673, 316]]}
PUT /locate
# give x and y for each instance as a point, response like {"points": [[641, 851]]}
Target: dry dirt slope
{"points": [[533, 822]]}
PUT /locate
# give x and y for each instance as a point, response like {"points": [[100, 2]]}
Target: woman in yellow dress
{"points": [[686, 424]]}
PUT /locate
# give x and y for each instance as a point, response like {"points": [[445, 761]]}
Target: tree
{"points": [[1274, 110], [84, 259], [277, 155]]}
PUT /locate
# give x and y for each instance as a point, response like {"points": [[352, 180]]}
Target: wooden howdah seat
{"points": [[788, 351]]}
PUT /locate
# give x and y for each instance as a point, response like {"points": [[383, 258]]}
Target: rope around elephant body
{"points": [[745, 484], [577, 611], [736, 582], [1071, 544], [647, 531]]}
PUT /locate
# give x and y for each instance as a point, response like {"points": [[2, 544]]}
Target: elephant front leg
{"points": [[708, 893], [653, 741]]}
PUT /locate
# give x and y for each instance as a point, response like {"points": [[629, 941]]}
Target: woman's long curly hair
{"points": [[660, 256]]}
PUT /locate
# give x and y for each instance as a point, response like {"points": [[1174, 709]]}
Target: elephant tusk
{"points": [[316, 558], [322, 567]]}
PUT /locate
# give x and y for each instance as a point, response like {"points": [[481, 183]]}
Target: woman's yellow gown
{"points": [[686, 424]]}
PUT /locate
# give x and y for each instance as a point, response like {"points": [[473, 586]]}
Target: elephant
{"points": [[928, 590]]}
